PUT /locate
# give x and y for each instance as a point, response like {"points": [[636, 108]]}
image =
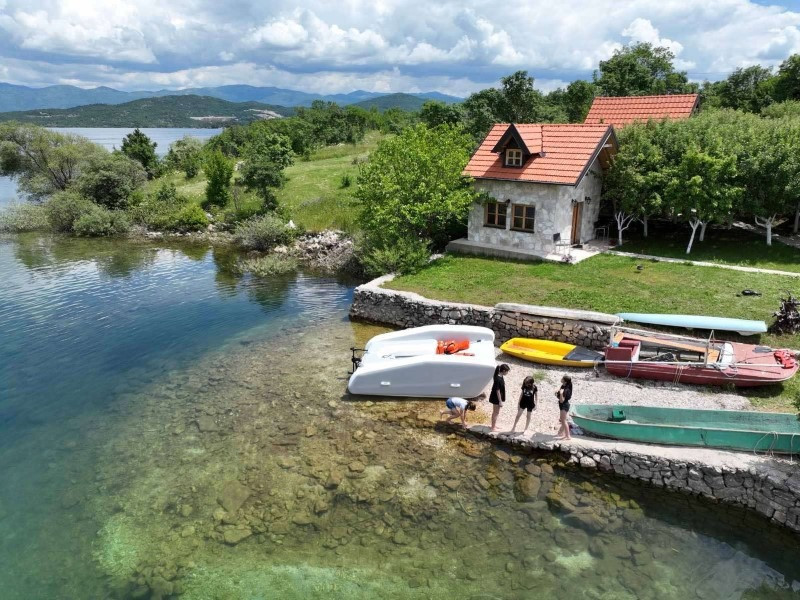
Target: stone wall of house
{"points": [[553, 211], [373, 303], [767, 486]]}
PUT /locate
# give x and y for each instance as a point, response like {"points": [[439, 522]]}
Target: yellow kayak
{"points": [[548, 352]]}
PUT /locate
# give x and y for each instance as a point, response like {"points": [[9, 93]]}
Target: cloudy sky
{"points": [[327, 46]]}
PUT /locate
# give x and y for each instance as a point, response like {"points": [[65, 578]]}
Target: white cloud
{"points": [[382, 45]]}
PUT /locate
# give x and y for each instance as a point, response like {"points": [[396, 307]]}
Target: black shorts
{"points": [[527, 405], [563, 406]]}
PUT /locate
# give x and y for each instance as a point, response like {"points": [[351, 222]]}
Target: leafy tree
{"points": [[578, 99], [43, 161], [480, 112], [640, 70], [434, 113], [519, 101], [748, 89], [779, 110], [703, 188], [634, 182], [185, 155], [110, 179], [138, 146], [395, 120], [265, 160], [218, 170], [412, 187], [787, 81], [332, 124]]}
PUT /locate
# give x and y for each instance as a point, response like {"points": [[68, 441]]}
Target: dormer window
{"points": [[513, 157]]}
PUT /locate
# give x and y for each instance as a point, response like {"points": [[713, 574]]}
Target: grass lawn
{"points": [[612, 284], [726, 246], [314, 196]]}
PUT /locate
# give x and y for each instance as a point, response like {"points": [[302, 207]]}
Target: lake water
{"points": [[110, 138], [170, 428]]}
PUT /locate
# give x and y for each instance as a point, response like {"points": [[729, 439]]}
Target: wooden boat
{"points": [[435, 361], [547, 352], [664, 357], [729, 429], [740, 326]]}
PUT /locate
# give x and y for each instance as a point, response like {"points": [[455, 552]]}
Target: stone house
{"points": [[542, 183]]}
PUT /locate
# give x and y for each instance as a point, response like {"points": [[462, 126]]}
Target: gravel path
{"points": [[589, 389]]}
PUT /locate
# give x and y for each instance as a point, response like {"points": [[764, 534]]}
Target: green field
{"points": [[724, 246], [613, 284], [313, 196]]}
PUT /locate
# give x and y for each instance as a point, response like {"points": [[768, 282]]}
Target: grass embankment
{"points": [[613, 284], [724, 246], [313, 197]]}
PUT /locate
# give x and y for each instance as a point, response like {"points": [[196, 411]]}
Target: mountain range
{"points": [[166, 111], [23, 98]]}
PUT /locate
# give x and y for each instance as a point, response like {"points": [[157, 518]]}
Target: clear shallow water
{"points": [[147, 393], [110, 138]]}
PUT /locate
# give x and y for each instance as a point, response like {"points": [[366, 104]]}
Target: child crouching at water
{"points": [[457, 407]]}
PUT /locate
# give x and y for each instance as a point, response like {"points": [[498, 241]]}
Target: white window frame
{"points": [[513, 157]]}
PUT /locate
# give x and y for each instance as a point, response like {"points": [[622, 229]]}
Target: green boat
{"points": [[728, 429]]}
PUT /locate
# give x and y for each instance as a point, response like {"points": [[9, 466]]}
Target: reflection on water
{"points": [[231, 465]]}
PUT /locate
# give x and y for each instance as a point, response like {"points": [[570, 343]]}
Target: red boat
{"points": [[649, 355]]}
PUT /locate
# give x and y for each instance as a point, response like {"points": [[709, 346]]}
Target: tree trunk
{"points": [[694, 224], [623, 221], [703, 232], [796, 219], [644, 223], [766, 223]]}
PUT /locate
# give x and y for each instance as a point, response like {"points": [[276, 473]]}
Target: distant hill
{"points": [[23, 98], [168, 111], [404, 101]]}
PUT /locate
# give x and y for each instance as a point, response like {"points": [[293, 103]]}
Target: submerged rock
{"points": [[236, 535], [206, 424], [527, 488], [233, 495]]}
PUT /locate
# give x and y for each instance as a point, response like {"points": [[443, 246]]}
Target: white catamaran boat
{"points": [[435, 361]]}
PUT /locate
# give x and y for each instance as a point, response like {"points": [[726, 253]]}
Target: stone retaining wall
{"points": [[770, 487], [373, 303]]}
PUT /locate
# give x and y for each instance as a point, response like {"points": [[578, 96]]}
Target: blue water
{"points": [[110, 138], [139, 380]]}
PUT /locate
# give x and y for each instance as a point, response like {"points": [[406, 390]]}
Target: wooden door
{"points": [[577, 217]]}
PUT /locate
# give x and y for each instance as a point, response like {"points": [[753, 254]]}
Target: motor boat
{"points": [[434, 361], [680, 359]]}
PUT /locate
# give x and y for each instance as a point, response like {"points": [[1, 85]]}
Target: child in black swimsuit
{"points": [[527, 401], [564, 395], [498, 394]]}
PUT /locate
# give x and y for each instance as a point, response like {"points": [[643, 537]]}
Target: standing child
{"points": [[457, 407], [527, 401], [498, 395], [564, 395]]}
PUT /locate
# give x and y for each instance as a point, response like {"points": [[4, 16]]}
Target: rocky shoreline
{"points": [[329, 251], [765, 485]]}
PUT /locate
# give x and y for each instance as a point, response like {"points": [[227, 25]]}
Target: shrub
{"points": [[101, 222], [219, 171], [346, 181], [190, 218], [110, 180], [160, 211], [264, 266], [18, 218], [403, 256], [262, 233], [64, 208]]}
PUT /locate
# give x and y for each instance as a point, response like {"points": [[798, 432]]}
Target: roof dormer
{"points": [[517, 145]]}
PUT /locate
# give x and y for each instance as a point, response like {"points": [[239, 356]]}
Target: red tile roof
{"points": [[568, 150], [623, 110]]}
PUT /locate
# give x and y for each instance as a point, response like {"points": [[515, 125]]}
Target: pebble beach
{"points": [[590, 387]]}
